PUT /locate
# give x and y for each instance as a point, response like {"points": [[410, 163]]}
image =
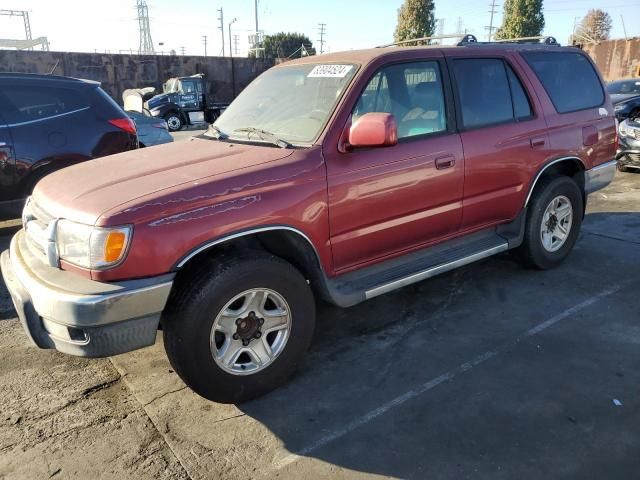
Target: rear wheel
{"points": [[622, 168], [174, 121], [240, 328], [554, 218]]}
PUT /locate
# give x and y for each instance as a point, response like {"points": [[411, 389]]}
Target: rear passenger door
{"points": [[7, 162], [504, 136]]}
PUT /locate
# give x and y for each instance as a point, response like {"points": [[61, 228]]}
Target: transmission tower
{"points": [[322, 30], [236, 40], [460, 26], [146, 44]]}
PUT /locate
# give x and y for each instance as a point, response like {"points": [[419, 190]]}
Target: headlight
{"points": [[617, 108], [623, 130], [91, 247]]}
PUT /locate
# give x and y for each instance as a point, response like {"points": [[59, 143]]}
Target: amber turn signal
{"points": [[113, 246]]}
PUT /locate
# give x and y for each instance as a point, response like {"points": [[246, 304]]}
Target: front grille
{"points": [[37, 224]]}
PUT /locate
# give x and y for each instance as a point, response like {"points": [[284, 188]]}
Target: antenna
{"points": [[146, 44]]}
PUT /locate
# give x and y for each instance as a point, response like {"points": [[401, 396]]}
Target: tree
{"points": [[285, 45], [594, 27], [416, 19], [522, 18]]}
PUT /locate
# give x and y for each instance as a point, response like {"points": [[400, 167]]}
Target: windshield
{"points": [[292, 103], [631, 87]]}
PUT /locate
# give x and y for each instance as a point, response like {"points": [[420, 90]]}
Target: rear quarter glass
{"points": [[107, 106], [569, 78]]}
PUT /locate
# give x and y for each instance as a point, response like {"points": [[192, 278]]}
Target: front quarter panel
{"points": [[168, 227]]}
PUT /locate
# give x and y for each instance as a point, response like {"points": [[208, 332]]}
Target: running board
{"points": [[360, 285], [433, 271]]}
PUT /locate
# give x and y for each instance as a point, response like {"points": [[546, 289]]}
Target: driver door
{"points": [[388, 201]]}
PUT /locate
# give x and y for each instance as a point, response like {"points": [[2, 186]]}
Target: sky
{"points": [[110, 25]]}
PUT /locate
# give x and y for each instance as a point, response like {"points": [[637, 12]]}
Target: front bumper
{"points": [[78, 316], [600, 176]]}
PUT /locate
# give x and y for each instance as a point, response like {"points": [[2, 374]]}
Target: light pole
{"points": [[230, 46]]}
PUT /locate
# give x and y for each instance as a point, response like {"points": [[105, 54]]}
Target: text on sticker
{"points": [[331, 71]]}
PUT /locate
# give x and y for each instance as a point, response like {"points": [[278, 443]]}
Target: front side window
{"points": [[27, 103], [568, 78], [293, 103], [412, 92]]}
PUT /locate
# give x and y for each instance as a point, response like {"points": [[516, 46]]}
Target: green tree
{"points": [[522, 18], [416, 19], [285, 45]]}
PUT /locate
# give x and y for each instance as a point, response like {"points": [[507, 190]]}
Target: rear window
{"points": [[27, 103], [569, 79]]}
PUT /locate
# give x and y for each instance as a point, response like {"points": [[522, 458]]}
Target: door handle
{"points": [[538, 142], [446, 161]]}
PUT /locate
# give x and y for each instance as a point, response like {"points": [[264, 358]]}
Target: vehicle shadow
{"points": [[340, 409]]}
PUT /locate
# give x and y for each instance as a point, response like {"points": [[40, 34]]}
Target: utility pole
{"points": [[204, 40], [230, 46], [624, 28], [221, 27], [257, 45], [493, 11], [236, 39], [322, 28]]}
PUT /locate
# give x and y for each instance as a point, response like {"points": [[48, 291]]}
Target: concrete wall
{"points": [[119, 72], [617, 58]]}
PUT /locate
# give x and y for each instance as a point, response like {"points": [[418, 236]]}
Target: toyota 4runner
{"points": [[339, 177]]}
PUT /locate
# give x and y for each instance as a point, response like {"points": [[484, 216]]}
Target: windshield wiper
{"points": [[264, 135], [215, 132]]}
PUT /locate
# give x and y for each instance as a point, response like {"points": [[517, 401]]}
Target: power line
{"points": [[322, 29], [493, 11]]}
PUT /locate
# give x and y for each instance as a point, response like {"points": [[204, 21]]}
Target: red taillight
{"points": [[125, 124]]}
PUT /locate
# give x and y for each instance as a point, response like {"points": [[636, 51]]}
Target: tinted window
{"points": [[521, 105], [412, 92], [569, 79], [629, 87], [28, 103], [485, 95]]}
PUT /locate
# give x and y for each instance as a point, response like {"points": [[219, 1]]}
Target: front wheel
{"points": [[174, 121], [554, 218], [240, 328]]}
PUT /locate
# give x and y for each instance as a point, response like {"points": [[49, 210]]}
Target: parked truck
{"points": [[184, 101]]}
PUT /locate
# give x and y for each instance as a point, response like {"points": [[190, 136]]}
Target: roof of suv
{"points": [[46, 78], [368, 55]]}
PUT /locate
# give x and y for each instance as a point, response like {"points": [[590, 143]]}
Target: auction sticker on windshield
{"points": [[330, 71]]}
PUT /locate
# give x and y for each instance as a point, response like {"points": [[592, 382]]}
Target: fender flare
{"points": [[544, 168], [244, 233]]}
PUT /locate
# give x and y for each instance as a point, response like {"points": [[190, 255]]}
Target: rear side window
{"points": [[28, 103], [489, 93], [569, 79]]}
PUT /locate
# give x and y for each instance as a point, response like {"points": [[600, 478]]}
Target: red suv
{"points": [[339, 177]]}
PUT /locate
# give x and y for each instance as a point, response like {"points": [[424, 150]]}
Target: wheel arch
{"points": [[283, 241], [572, 167]]}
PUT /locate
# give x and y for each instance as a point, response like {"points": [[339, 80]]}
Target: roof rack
{"points": [[425, 39], [469, 39]]}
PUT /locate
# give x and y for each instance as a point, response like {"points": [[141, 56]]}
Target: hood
{"points": [[621, 97], [85, 191], [159, 100]]}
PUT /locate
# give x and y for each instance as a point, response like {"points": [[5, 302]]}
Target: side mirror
{"points": [[374, 130]]}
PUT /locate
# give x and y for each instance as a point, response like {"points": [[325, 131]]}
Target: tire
{"points": [[622, 168], [174, 121], [534, 252], [191, 343]]}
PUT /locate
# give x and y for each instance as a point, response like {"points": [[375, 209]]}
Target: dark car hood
{"points": [[617, 98], [159, 100], [86, 191]]}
